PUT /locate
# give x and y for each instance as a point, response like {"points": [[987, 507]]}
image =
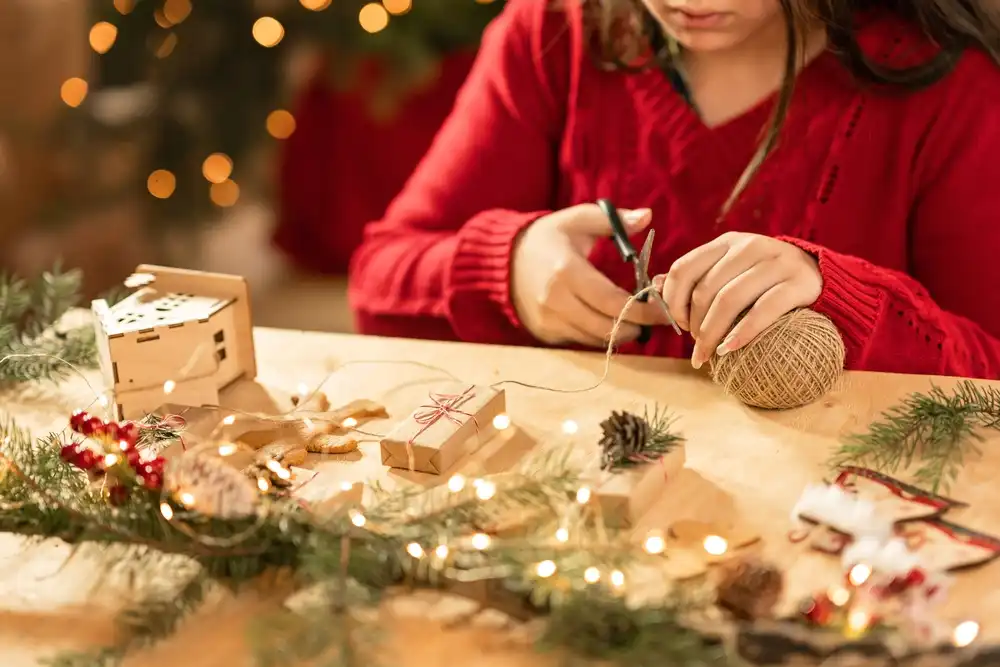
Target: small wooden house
{"points": [[180, 338]]}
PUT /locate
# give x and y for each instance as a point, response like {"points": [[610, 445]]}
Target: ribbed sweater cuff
{"points": [[478, 284], [851, 301]]}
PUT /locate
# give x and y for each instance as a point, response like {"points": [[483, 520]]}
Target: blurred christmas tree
{"points": [[186, 91]]}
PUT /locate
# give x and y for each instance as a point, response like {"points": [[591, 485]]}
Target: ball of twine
{"points": [[793, 362]]}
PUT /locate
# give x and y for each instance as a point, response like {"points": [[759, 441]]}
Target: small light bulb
{"points": [[839, 595], [415, 550], [570, 427], [965, 633], [167, 511], [456, 483], [357, 518], [562, 535], [103, 400], [545, 569], [486, 490], [346, 486], [859, 574], [273, 466], [308, 424], [283, 473], [169, 386], [229, 420], [481, 541], [303, 389], [655, 544], [617, 578], [110, 460], [350, 422], [441, 551], [187, 499], [227, 450], [858, 621], [591, 575], [263, 484], [500, 422], [715, 545], [583, 495]]}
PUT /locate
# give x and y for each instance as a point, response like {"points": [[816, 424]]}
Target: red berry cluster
{"points": [[115, 456]]}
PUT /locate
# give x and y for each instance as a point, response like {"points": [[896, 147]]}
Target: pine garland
{"points": [[41, 496], [937, 431], [31, 346]]}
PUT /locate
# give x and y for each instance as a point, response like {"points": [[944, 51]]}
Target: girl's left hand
{"points": [[708, 288]]}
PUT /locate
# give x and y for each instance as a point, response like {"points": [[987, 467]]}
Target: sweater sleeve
{"points": [[438, 264], [943, 318]]}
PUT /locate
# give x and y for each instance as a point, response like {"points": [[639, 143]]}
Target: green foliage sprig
{"points": [[937, 431], [31, 347]]}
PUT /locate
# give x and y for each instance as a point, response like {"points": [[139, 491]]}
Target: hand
{"points": [[558, 294], [708, 288]]}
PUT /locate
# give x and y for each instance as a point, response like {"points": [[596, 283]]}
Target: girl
{"points": [[868, 191]]}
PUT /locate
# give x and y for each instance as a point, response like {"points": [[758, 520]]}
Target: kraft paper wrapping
{"points": [[454, 421], [626, 495]]}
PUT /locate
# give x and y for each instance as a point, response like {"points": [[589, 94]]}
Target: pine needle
{"points": [[31, 346], [937, 431]]}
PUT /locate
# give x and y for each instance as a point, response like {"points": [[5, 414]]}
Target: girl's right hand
{"points": [[558, 294]]}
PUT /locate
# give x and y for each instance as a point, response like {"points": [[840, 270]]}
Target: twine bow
{"points": [[441, 406], [646, 458]]}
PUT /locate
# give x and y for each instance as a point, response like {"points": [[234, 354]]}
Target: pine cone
{"points": [[625, 436], [750, 589]]}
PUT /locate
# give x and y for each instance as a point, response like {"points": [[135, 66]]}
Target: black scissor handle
{"points": [[618, 232]]}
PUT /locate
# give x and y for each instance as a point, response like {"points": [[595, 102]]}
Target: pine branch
{"points": [[660, 440], [938, 431], [600, 626], [151, 620], [30, 346]]}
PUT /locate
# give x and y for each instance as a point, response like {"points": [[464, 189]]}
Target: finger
{"points": [[733, 264], [734, 297], [594, 324], [601, 295], [684, 274], [589, 223], [777, 301]]}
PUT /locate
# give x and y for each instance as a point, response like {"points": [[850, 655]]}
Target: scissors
{"points": [[640, 262]]}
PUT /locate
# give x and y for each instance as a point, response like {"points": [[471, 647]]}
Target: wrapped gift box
{"points": [[625, 495], [454, 421]]}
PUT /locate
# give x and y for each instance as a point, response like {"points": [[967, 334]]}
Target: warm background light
{"points": [[373, 17], [176, 11], [268, 31], [224, 194], [73, 91], [103, 36], [315, 5], [124, 6], [161, 184], [280, 124], [166, 46], [217, 168], [397, 7]]}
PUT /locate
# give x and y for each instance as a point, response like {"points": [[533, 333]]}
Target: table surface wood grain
{"points": [[743, 466]]}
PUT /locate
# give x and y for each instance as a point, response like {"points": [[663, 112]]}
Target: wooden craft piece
{"points": [[690, 532], [333, 434], [683, 564], [944, 546], [454, 421], [182, 336]]}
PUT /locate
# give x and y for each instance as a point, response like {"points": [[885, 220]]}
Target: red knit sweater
{"points": [[896, 194]]}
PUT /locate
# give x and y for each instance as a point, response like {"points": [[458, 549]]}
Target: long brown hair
{"points": [[623, 30]]}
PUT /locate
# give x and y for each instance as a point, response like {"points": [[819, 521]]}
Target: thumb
{"points": [[591, 221]]}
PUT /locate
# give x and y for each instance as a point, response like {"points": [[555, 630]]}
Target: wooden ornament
{"points": [[795, 361]]}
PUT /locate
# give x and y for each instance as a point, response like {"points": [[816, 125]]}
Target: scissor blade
{"points": [[647, 251], [658, 298]]}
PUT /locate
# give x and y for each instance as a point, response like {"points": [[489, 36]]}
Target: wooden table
{"points": [[742, 464]]}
